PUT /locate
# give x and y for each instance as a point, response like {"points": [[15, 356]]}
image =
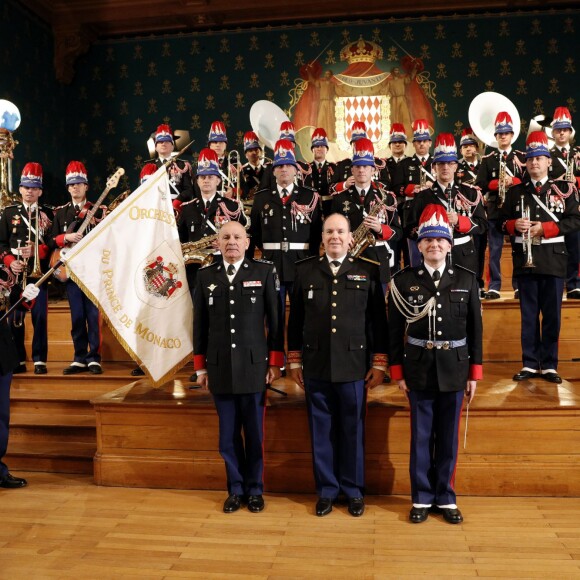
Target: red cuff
{"points": [[493, 185], [516, 181], [199, 362], [8, 259], [43, 251], [410, 190], [475, 372], [276, 358], [177, 204], [578, 182], [397, 372], [60, 240], [338, 187], [386, 232], [463, 224], [551, 229], [510, 227]]}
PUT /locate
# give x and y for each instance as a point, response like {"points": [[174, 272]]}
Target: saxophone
{"points": [[200, 252], [501, 186], [569, 175], [362, 237]]}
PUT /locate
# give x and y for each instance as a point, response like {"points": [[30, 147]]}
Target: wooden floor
{"points": [[63, 526]]}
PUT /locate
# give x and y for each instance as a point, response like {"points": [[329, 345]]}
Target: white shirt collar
{"points": [[366, 188], [542, 181], [289, 188], [341, 260], [237, 265], [445, 187], [429, 269], [210, 199]]}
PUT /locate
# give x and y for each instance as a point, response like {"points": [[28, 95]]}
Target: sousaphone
{"points": [[265, 119], [483, 111]]}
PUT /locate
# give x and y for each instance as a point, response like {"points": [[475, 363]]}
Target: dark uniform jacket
{"points": [[228, 332], [297, 222], [320, 180], [68, 220], [409, 175], [488, 174], [336, 322], [180, 182], [194, 223], [349, 204], [344, 170], [559, 165], [549, 257], [9, 359], [250, 181], [458, 316], [14, 226], [467, 172], [268, 180], [472, 219]]}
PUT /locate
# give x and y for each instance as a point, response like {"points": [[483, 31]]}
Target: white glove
{"points": [[30, 292]]}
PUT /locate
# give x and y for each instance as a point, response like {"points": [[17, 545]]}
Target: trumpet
{"points": [[569, 175], [527, 239], [36, 271]]}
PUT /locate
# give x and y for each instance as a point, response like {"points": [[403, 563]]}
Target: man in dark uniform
{"points": [[178, 171], [337, 350], [86, 320], [286, 219], [494, 188], [234, 357], [539, 213], [253, 169], [467, 169], [461, 202], [322, 171], [435, 331], [343, 172], [367, 202], [19, 229], [414, 176], [566, 165], [207, 211], [397, 145], [8, 362]]}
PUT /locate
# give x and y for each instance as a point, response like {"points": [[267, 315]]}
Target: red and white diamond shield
{"points": [[367, 110]]}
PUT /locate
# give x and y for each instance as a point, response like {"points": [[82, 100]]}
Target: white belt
{"points": [[557, 239], [285, 246], [381, 243], [462, 240], [407, 198]]}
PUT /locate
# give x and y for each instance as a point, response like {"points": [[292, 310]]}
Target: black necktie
{"points": [[504, 155], [77, 208], [471, 166], [207, 204], [436, 276], [362, 195], [231, 270], [319, 166], [284, 196], [538, 186], [335, 263], [564, 152], [423, 161]]}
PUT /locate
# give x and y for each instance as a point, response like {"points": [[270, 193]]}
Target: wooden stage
{"points": [[523, 438]]}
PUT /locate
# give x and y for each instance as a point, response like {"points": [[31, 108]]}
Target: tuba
{"points": [[265, 119], [482, 113]]}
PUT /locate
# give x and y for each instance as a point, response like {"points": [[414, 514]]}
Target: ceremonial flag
{"points": [[132, 268]]}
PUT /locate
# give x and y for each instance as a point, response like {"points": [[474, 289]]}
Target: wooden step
{"points": [[56, 457]]}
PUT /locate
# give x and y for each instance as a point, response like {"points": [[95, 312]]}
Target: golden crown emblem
{"points": [[361, 51]]}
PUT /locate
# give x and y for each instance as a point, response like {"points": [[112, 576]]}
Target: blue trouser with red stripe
{"points": [[86, 326], [435, 420], [243, 456], [4, 419]]}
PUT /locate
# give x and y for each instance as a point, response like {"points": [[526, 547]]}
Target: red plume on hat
{"points": [[251, 141], [319, 138], [421, 131], [398, 133], [537, 145], [208, 163], [287, 131], [284, 153], [163, 134], [445, 148], [363, 152], [503, 123], [217, 133], [562, 118], [358, 131], [76, 172], [434, 223], [467, 137], [31, 175]]}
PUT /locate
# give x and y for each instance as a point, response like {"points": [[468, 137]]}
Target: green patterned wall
{"points": [[28, 80], [124, 88]]}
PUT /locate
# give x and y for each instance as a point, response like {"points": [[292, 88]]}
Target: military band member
{"points": [[234, 301], [178, 171], [467, 169], [286, 219], [462, 203], [322, 171], [253, 170], [397, 145], [539, 213], [415, 174], [9, 360], [435, 331], [203, 216], [566, 165], [336, 350], [494, 188], [86, 320], [217, 140], [359, 204], [20, 225]]}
